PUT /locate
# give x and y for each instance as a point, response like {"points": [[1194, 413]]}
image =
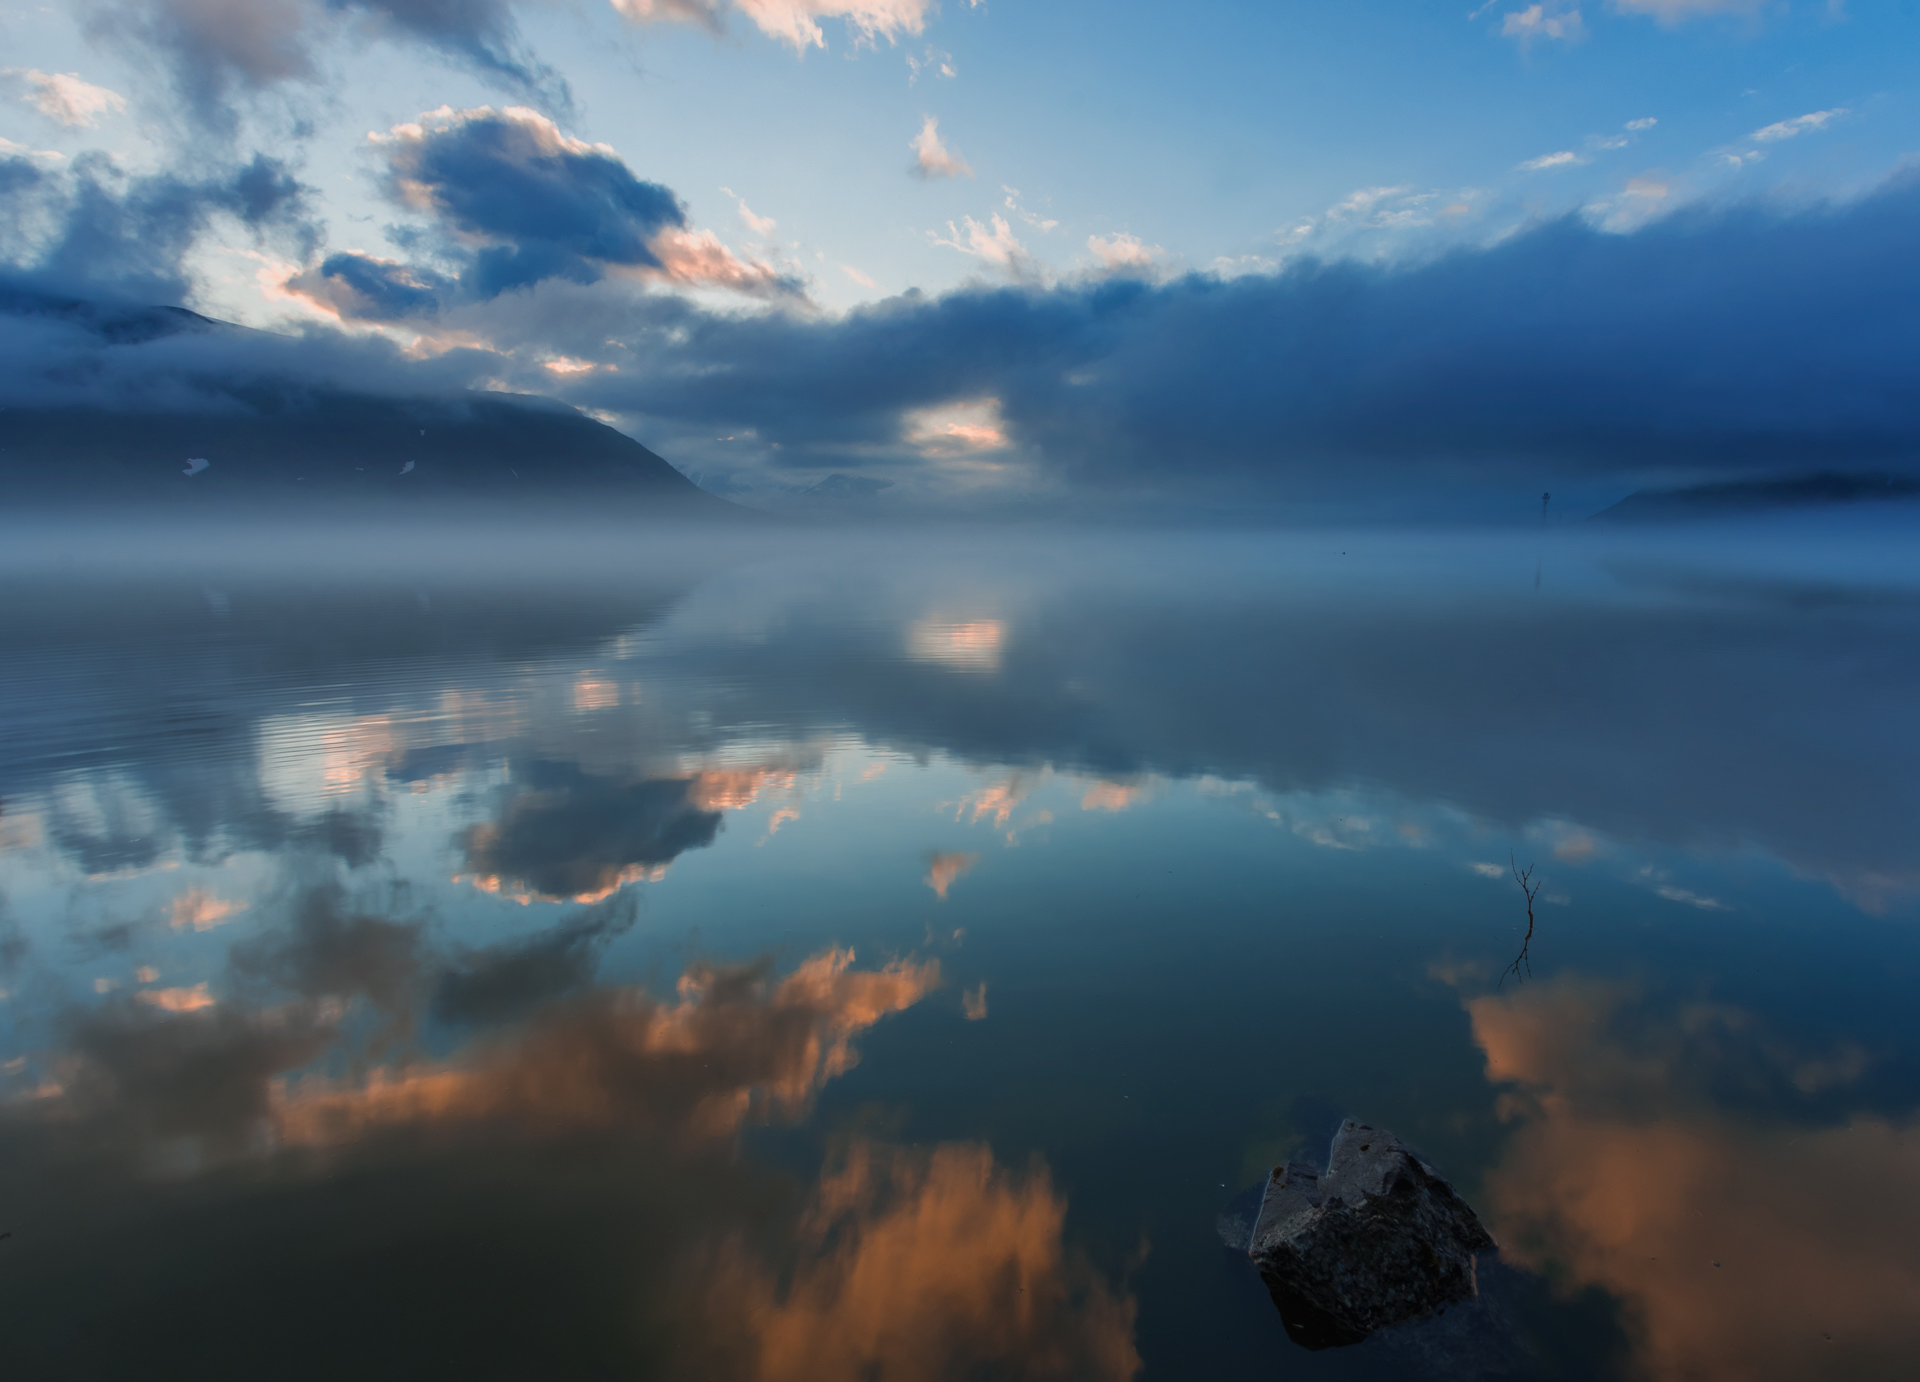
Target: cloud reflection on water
{"points": [[923, 1265], [1743, 1246], [168, 1140]]}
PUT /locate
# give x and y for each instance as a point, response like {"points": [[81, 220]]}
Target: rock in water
{"points": [[1379, 1239]]}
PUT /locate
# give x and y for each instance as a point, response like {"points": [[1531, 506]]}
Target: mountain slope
{"points": [[336, 446], [278, 441], [1754, 496]]}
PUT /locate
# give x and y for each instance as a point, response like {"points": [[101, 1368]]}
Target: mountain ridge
{"points": [[280, 442]]}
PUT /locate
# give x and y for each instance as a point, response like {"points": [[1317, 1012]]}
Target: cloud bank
{"points": [[1755, 336]]}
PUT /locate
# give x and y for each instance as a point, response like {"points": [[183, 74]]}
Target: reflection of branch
{"points": [[1532, 890]]}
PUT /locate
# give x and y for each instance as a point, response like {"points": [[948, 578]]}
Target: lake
{"points": [[811, 955]]}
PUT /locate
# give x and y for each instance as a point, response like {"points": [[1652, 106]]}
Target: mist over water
{"points": [[567, 950]]}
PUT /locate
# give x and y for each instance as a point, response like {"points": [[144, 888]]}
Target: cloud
{"points": [[932, 159], [115, 235], [1565, 158], [1644, 123], [972, 425], [1554, 346], [563, 833], [518, 202], [763, 226], [1536, 22], [539, 203], [943, 870], [1692, 899], [696, 258], [1626, 1171], [177, 1138], [994, 242], [480, 35], [506, 981], [736, 1047], [64, 97], [1123, 253], [362, 287], [1115, 796], [927, 1265], [936, 61], [199, 910], [16, 172], [335, 951], [1040, 223], [177, 1000], [1800, 124], [217, 49], [1572, 354], [793, 22], [213, 46]]}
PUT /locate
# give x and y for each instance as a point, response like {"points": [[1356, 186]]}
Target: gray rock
{"points": [[1379, 1239]]}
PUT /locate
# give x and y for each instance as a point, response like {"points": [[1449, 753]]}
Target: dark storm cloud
{"points": [[566, 833], [332, 948], [363, 288], [115, 235], [217, 49], [1752, 337], [505, 981], [537, 203], [148, 1075], [1714, 337]]}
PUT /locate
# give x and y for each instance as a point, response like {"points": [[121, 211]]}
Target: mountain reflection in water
{"points": [[577, 964]]}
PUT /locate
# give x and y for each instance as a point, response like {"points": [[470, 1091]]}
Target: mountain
{"points": [[285, 443], [1754, 496]]}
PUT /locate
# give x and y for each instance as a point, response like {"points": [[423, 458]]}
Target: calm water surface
{"points": [[818, 959]]}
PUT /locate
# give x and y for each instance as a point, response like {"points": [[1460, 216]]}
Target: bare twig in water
{"points": [[1532, 890]]}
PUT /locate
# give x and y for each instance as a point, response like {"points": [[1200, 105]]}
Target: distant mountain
{"points": [[294, 444], [1754, 496]]}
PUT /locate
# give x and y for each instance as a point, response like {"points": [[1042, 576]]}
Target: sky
{"points": [[1006, 253]]}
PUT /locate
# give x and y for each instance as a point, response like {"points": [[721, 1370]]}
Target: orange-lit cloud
{"points": [[184, 1000], [967, 645], [594, 693], [917, 1267], [1742, 1249], [201, 910], [734, 1046], [698, 259], [957, 429], [944, 869], [973, 1002], [513, 890], [733, 789], [999, 800], [1114, 796]]}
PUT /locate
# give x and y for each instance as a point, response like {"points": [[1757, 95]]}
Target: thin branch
{"points": [[1532, 890]]}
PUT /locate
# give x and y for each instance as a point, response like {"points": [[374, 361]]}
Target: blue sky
{"points": [[1073, 145]]}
